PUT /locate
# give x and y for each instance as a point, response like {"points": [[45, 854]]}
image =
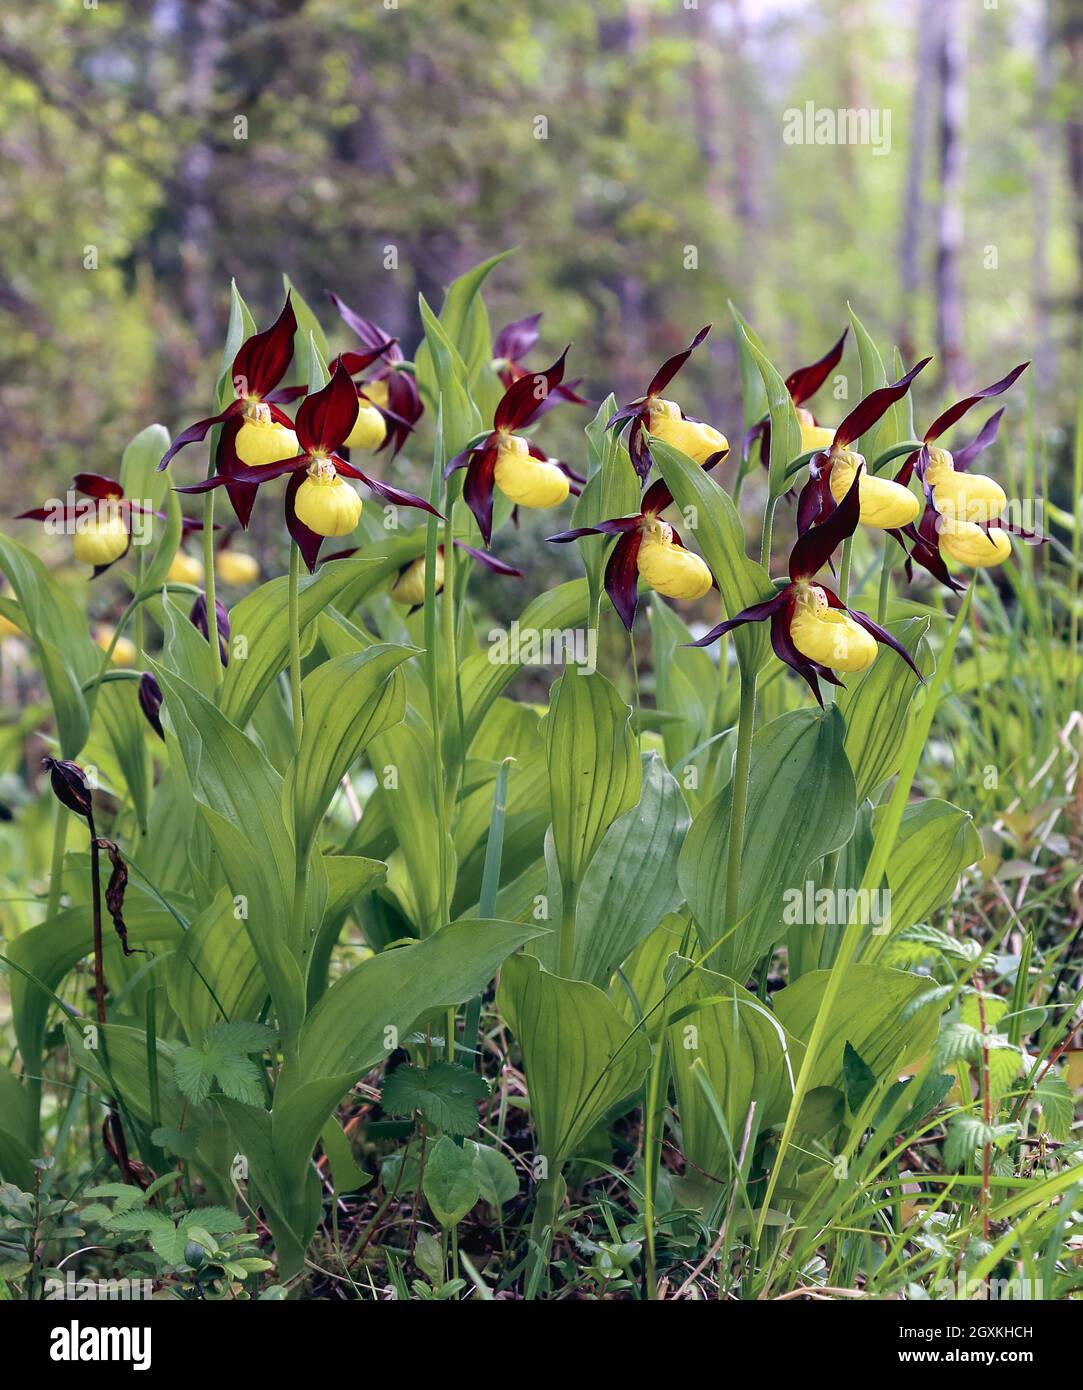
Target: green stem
{"points": [[56, 871], [208, 574], [295, 642], [567, 935], [844, 569], [885, 587], [739, 795]]}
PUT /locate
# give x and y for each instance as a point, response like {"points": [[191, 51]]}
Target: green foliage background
{"points": [[414, 125]]}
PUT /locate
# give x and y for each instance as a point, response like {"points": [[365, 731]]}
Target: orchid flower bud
{"points": [[697, 440], [326, 503], [527, 481], [262, 439], [667, 567], [150, 702], [829, 636], [70, 787], [884, 504]]}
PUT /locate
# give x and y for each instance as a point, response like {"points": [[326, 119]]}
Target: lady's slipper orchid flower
{"points": [[955, 493], [885, 505], [319, 500], [236, 568], [121, 649], [506, 460], [812, 630], [963, 519], [391, 390], [408, 587], [802, 384], [647, 548], [255, 432], [100, 527], [185, 569], [511, 345], [651, 414]]}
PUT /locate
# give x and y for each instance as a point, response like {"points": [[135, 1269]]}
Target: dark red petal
{"points": [[672, 365], [755, 614], [308, 543], [624, 414], [881, 635], [242, 496], [640, 454], [622, 577], [369, 333], [326, 417], [490, 561], [1025, 534], [466, 458], [959, 409], [523, 400], [283, 395], [386, 491], [262, 360], [194, 433], [785, 650], [478, 488], [516, 339], [813, 549], [906, 472], [613, 527], [965, 456], [657, 498], [815, 501], [255, 474], [355, 362], [866, 413], [806, 381], [96, 485]]}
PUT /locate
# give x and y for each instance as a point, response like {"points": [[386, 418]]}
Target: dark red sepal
{"points": [[814, 548], [478, 486], [489, 561], [757, 613], [965, 456], [866, 413], [326, 417], [194, 433], [672, 365], [262, 360], [97, 485], [959, 409], [806, 381], [522, 401], [515, 340], [622, 576]]}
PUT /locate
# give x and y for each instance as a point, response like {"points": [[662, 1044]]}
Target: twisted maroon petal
{"points": [[194, 433], [369, 333], [757, 613], [866, 413], [672, 365], [959, 409], [489, 561], [516, 339], [326, 417], [965, 456]]}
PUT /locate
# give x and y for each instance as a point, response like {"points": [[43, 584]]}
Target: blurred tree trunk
{"points": [[952, 157], [1041, 191], [1071, 32], [914, 207], [204, 30]]}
